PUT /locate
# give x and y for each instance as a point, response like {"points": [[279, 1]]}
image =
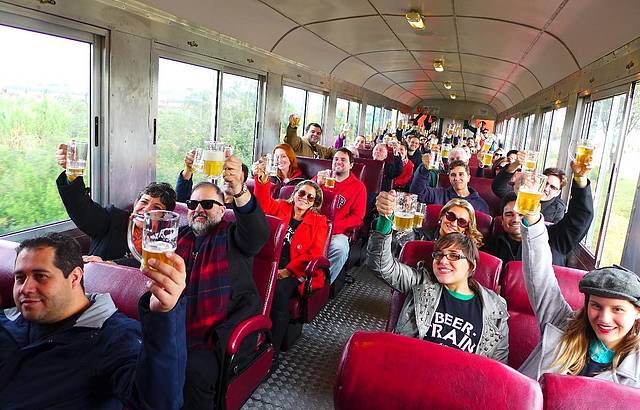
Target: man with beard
{"points": [[307, 146], [220, 289]]}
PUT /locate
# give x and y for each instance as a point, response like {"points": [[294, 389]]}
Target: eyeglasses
{"points": [[462, 223], [451, 256], [206, 204], [303, 194]]}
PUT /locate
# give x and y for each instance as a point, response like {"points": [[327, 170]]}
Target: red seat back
{"points": [[371, 174], [183, 211], [561, 392], [125, 285], [483, 186], [365, 153], [387, 371], [7, 263], [524, 333], [432, 220], [311, 166]]}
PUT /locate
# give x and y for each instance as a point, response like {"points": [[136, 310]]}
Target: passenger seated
{"points": [[304, 240], [360, 142], [459, 177], [307, 146], [564, 236], [107, 226], [392, 163], [446, 305], [600, 340], [403, 181], [220, 288], [414, 153], [553, 206], [62, 348], [458, 154]]}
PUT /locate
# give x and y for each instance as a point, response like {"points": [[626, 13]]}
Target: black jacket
{"points": [[393, 167], [564, 235], [553, 209], [416, 158]]}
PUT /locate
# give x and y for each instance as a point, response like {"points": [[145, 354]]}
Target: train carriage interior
{"points": [[142, 82]]}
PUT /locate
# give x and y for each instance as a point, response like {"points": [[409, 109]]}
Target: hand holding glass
{"points": [[159, 235], [418, 216], [405, 211], [530, 192], [584, 152], [530, 161], [76, 159]]}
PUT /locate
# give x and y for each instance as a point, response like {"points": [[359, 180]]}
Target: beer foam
{"points": [[158, 247], [209, 155]]}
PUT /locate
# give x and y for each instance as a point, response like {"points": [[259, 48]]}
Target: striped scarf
{"points": [[209, 287]]}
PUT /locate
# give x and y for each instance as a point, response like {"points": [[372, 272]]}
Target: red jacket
{"points": [[406, 176], [352, 203], [308, 240]]}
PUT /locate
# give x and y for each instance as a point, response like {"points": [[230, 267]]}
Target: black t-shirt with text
{"points": [[285, 256], [456, 323]]}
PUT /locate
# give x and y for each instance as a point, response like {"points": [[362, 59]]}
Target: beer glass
{"points": [[272, 166], [487, 145], [530, 192], [584, 152], [405, 211], [329, 179], [530, 161], [198, 162], [159, 235], [418, 216], [487, 159], [213, 159], [76, 159], [445, 150], [295, 120]]}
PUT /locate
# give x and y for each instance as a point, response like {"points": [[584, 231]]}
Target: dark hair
{"points": [[469, 249], [245, 173], [163, 191], [557, 172], [317, 202], [459, 163], [205, 184], [509, 197], [512, 151], [313, 124], [346, 151], [67, 252]]}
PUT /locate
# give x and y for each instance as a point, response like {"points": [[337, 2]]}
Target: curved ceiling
{"points": [[496, 52]]}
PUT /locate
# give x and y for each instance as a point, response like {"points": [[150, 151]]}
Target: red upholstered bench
{"points": [[561, 392]]}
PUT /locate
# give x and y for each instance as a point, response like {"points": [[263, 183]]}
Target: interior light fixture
{"points": [[452, 96], [438, 65], [415, 20], [447, 85]]}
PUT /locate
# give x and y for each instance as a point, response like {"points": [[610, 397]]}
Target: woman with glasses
{"points": [[457, 215], [444, 303], [304, 240]]}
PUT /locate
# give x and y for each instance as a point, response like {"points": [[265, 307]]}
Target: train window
{"points": [[315, 108], [394, 118], [604, 121], [238, 114], [353, 119], [186, 114], [293, 101], [342, 113], [347, 112], [368, 119], [530, 121], [46, 81], [554, 138]]}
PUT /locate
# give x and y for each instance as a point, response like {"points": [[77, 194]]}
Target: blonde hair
{"points": [[572, 352], [472, 229]]}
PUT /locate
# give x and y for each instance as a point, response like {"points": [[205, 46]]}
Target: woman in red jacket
{"points": [[303, 241], [403, 181], [288, 171]]}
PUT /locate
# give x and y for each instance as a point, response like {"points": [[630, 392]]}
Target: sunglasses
{"points": [[206, 204], [303, 194], [452, 256], [462, 223]]}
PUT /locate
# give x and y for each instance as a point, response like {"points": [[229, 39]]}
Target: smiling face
{"points": [[380, 152], [414, 143], [552, 189], [341, 164], [313, 134], [282, 160], [447, 226], [451, 273], [402, 150], [459, 178], [304, 198], [611, 319], [511, 221], [147, 203], [360, 143], [202, 220]]}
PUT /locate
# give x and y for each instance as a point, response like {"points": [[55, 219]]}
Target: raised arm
{"points": [[292, 138], [420, 186]]}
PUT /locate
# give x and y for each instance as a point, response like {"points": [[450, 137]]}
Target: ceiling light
{"points": [[453, 96], [438, 65], [415, 20], [447, 85]]}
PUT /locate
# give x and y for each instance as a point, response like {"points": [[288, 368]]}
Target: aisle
{"points": [[307, 371]]}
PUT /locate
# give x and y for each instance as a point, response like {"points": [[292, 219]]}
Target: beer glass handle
{"points": [[132, 246]]}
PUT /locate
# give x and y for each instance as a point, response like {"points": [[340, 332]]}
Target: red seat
{"points": [[387, 371], [365, 153], [524, 333], [562, 392], [432, 221], [183, 211], [487, 273], [311, 166], [371, 174], [483, 186], [7, 263], [237, 385]]}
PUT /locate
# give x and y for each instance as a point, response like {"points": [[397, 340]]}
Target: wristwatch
{"points": [[242, 191]]}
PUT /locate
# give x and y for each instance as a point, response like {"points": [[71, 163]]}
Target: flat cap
{"points": [[612, 282]]}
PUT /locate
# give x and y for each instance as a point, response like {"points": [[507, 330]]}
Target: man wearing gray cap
{"points": [[601, 339]]}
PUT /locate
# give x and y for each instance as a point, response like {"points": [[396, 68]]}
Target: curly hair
{"points": [[472, 229]]}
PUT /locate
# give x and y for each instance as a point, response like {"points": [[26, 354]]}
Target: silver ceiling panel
{"points": [[525, 81], [394, 91], [439, 33], [353, 71], [532, 13], [358, 35], [303, 46], [494, 38], [427, 7], [425, 59], [407, 75], [378, 83], [320, 10], [390, 60], [549, 52]]}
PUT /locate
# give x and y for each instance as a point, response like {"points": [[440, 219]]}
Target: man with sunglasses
{"points": [[564, 235], [459, 177], [220, 288], [552, 206]]}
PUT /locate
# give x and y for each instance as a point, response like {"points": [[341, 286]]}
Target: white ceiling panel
{"points": [[549, 53], [394, 91], [262, 27], [305, 47], [320, 10], [427, 7], [353, 71], [482, 80], [439, 33], [441, 77], [408, 75], [494, 38], [486, 66], [526, 82], [378, 83], [425, 59], [512, 92], [594, 28], [390, 60], [472, 89], [419, 85], [358, 35], [532, 13]]}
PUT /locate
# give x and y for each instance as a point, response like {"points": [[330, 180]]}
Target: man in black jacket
{"points": [[552, 206], [414, 154], [564, 235], [107, 226]]}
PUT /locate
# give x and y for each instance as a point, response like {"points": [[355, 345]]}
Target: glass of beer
{"points": [[487, 159], [487, 145], [198, 162], [418, 216], [530, 192], [530, 161], [584, 152], [445, 150], [76, 159], [272, 166], [213, 159], [295, 120], [405, 211], [159, 235], [330, 179]]}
